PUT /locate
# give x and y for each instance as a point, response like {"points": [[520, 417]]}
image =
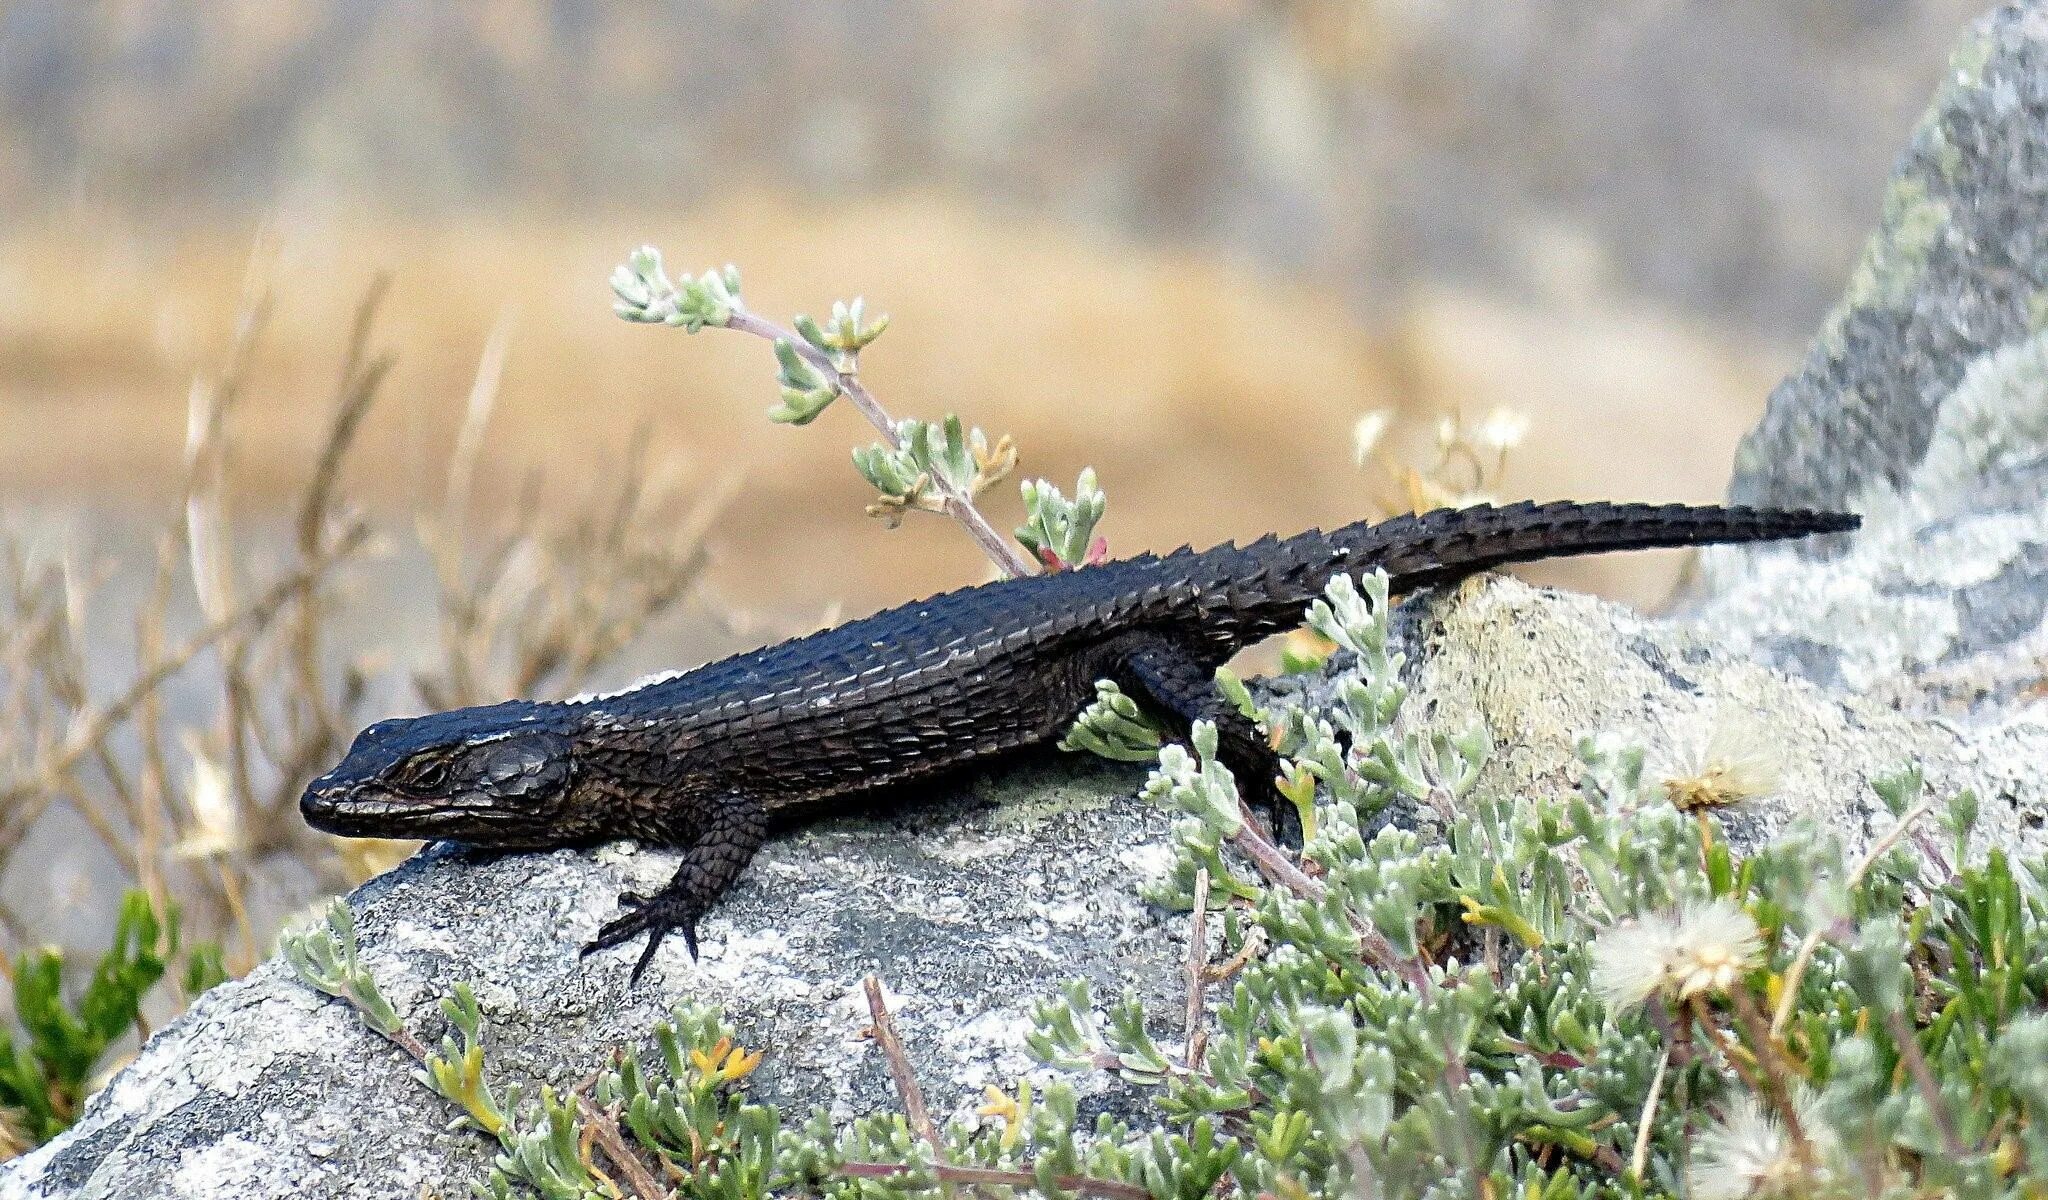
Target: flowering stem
{"points": [[1765, 1085], [955, 502], [1638, 1160], [1775, 1073], [1811, 942], [1923, 1079]]}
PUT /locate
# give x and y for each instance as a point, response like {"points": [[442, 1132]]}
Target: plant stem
{"points": [[899, 1067], [1811, 942], [604, 1126], [92, 729], [1641, 1156], [1923, 1079], [1198, 973], [956, 503]]}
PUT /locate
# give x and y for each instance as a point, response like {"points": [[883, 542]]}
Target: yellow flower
{"points": [[1014, 1112], [725, 1063]]}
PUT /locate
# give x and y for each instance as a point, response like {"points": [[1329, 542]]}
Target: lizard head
{"points": [[495, 776]]}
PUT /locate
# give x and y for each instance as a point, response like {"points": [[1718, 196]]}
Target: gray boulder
{"points": [[1924, 404], [966, 907]]}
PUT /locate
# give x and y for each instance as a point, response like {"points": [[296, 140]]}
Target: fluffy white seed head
{"points": [[1702, 948], [1749, 1153]]}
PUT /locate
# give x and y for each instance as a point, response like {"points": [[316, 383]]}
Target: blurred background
{"points": [[1188, 243]]}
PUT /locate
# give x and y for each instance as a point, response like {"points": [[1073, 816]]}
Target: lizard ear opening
{"points": [[533, 768]]}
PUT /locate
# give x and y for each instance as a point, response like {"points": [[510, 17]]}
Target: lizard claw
{"points": [[656, 916]]}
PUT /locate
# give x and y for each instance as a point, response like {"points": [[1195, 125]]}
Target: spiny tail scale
{"points": [[1253, 591]]}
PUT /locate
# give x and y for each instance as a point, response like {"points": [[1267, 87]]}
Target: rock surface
{"points": [[1924, 404], [965, 907]]}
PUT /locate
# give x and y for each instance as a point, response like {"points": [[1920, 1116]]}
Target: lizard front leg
{"points": [[1180, 686], [726, 840]]}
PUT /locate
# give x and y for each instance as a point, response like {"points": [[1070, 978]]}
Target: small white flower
{"points": [[1628, 960], [1701, 948], [1749, 1153], [1366, 434], [1714, 947], [1503, 429]]}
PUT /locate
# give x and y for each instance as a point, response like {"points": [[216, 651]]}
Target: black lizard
{"points": [[701, 759]]}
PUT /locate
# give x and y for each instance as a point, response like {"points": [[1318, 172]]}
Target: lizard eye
{"points": [[430, 776]]}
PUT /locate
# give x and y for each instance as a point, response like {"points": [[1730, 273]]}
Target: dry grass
{"points": [[1214, 402], [271, 625], [196, 802]]}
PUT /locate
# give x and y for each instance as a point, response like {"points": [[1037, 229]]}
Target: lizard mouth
{"points": [[366, 812]]}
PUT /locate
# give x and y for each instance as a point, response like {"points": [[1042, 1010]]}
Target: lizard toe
{"points": [[620, 929], [656, 916]]}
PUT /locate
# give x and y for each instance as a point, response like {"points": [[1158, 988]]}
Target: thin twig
{"points": [[1811, 942], [1742, 1061], [1775, 1069], [899, 1067], [1278, 869], [1197, 1037], [957, 504], [97, 725], [605, 1127], [1641, 1156], [1254, 941], [1269, 859], [1923, 1079]]}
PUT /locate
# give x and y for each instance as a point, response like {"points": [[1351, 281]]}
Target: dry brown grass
{"points": [[197, 803], [1213, 402]]}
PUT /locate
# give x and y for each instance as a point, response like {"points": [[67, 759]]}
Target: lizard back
{"points": [[989, 668]]}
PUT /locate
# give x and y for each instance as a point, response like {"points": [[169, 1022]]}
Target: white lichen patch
{"points": [[758, 960], [1071, 913], [412, 935], [962, 851], [230, 1166], [1146, 860], [1962, 554], [1874, 634], [1994, 418]]}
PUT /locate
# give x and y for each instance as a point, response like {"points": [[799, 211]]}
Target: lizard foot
{"points": [[657, 916]]}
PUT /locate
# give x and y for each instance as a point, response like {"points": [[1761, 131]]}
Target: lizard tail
{"points": [[1419, 550]]}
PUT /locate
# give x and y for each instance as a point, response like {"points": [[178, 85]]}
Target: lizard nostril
{"points": [[319, 802]]}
